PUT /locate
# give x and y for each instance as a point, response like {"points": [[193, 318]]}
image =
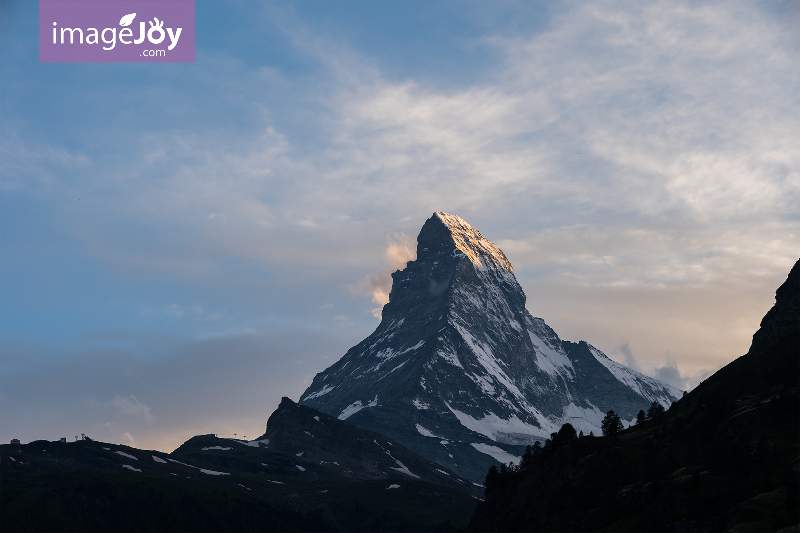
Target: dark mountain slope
{"points": [[724, 457], [342, 449], [338, 478]]}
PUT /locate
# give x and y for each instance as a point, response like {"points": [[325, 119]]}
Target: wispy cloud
{"points": [[645, 123], [669, 373], [400, 250], [133, 407], [629, 360], [129, 439]]}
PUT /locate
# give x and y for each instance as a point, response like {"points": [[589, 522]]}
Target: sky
{"points": [[182, 244]]}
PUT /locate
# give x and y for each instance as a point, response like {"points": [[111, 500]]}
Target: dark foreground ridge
{"points": [[310, 472], [723, 458]]}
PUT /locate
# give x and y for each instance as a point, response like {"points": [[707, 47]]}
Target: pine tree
{"points": [[536, 450], [655, 411], [527, 457], [611, 425], [564, 436], [491, 478], [641, 417]]}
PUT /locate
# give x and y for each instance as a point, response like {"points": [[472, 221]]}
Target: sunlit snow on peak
{"points": [[471, 243]]}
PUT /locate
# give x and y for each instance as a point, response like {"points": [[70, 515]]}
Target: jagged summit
{"points": [[785, 314], [467, 240], [461, 373]]}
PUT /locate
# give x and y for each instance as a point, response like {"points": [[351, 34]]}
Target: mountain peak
{"points": [[460, 372], [785, 314], [444, 233]]}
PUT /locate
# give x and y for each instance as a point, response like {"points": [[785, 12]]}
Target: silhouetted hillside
{"points": [[724, 457], [336, 478]]}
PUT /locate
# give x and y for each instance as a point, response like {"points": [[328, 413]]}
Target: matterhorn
{"points": [[459, 371]]}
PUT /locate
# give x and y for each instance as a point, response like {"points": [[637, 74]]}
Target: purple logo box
{"points": [[116, 31]]}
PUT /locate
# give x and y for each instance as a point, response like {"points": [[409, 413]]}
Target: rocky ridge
{"points": [[460, 372]]}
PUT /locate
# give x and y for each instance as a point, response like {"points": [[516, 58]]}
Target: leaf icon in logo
{"points": [[127, 19]]}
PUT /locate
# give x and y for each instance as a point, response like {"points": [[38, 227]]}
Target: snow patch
{"points": [[489, 362], [554, 362], [350, 410], [252, 443], [316, 418], [300, 468], [257, 443], [129, 467], [216, 448], [159, 459], [213, 473], [403, 469], [203, 470], [450, 358], [325, 390], [393, 487], [180, 463], [646, 386], [129, 456], [583, 418], [398, 367], [419, 404], [425, 433], [499, 454], [494, 427], [413, 348]]}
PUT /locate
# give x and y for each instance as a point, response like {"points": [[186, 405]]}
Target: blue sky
{"points": [[183, 244]]}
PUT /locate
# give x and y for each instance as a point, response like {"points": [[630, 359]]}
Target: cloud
{"points": [[222, 385], [617, 125], [129, 439], [400, 249], [629, 361], [132, 407], [670, 374]]}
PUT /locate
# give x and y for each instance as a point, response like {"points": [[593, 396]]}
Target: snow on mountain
{"points": [[461, 373], [647, 387]]}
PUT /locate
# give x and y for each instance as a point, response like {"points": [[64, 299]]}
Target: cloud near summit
{"points": [[400, 250]]}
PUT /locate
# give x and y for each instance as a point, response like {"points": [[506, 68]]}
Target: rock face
{"points": [[338, 448], [785, 314], [459, 371]]}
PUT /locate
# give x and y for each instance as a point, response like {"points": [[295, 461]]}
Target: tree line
{"points": [[611, 426]]}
